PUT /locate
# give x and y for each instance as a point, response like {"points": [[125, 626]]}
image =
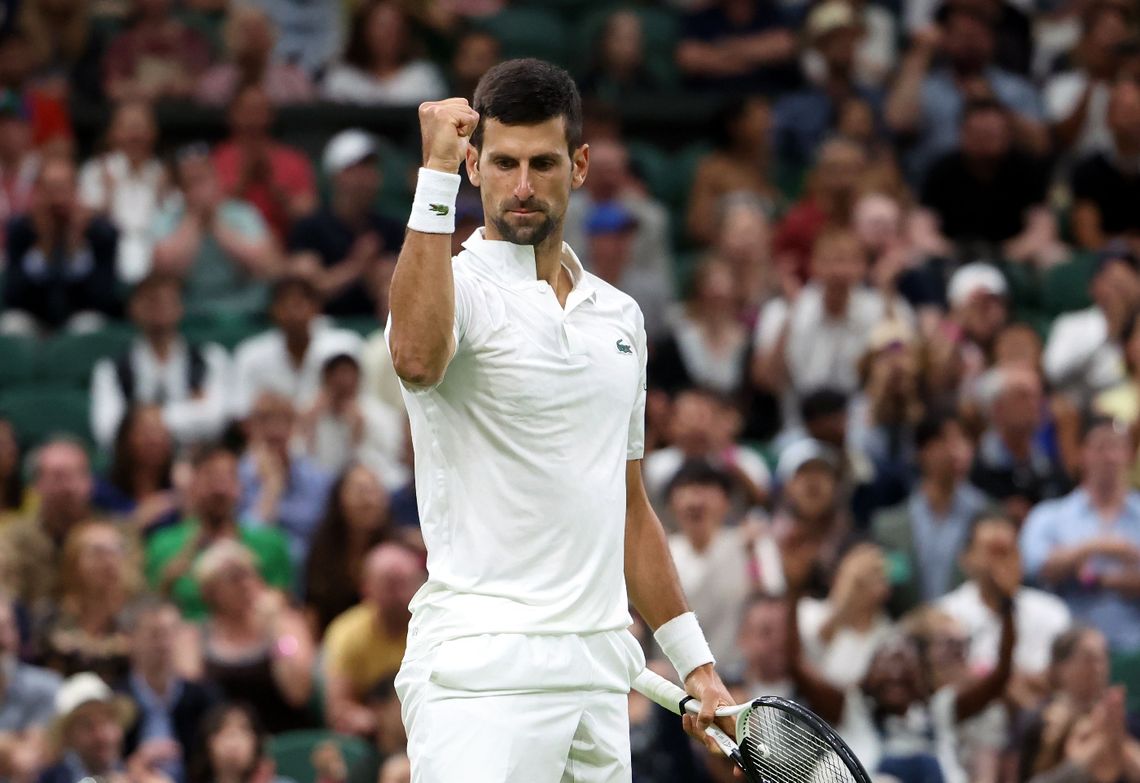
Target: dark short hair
{"points": [[289, 283], [822, 402], [157, 280], [528, 92], [932, 426], [984, 518], [205, 452], [699, 472], [337, 360]]}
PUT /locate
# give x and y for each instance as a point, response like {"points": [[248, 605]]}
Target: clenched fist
{"points": [[445, 127]]}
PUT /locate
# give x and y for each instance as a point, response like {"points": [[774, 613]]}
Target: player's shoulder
{"points": [[612, 297]]}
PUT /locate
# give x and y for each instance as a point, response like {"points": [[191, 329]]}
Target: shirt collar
{"points": [[514, 265]]}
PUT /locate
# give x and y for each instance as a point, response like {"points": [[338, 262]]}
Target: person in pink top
{"points": [[275, 178]]}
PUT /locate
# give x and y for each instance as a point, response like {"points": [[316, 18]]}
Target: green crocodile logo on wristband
{"points": [[439, 209]]}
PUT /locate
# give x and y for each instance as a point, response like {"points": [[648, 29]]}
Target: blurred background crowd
{"points": [[889, 258]]}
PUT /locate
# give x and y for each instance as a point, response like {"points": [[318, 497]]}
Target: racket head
{"points": [[783, 742]]}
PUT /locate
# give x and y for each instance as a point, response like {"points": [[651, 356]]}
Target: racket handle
{"points": [[656, 688]]}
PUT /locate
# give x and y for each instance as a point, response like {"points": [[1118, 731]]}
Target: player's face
{"points": [[525, 174]]}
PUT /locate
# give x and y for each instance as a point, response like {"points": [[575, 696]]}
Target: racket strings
{"points": [[778, 747]]}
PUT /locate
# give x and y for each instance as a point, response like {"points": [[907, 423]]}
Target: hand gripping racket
{"points": [[777, 740]]}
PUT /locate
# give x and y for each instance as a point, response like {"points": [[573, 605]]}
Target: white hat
{"points": [[830, 16], [87, 688], [348, 148], [970, 278], [800, 453]]}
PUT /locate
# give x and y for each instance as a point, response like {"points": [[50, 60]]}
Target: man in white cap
{"points": [[344, 239], [979, 306]]}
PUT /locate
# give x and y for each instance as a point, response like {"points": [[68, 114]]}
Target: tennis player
{"points": [[524, 378]]}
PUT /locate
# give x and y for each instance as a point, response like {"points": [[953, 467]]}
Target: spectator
{"points": [[476, 51], [986, 193], [830, 193], [84, 630], [706, 345], [126, 185], [618, 68], [740, 162], [28, 706], [704, 425], [186, 383], [876, 48], [1103, 184], [273, 177], [212, 499], [358, 518], [339, 243], [840, 634], [1086, 545], [710, 555], [1084, 354], [649, 276], [90, 721], [1076, 101], [61, 263], [288, 359], [978, 296], [19, 159], [281, 489], [344, 425], [42, 109], [991, 554], [804, 119], [366, 643], [250, 41], [390, 741], [62, 50], [219, 246], [744, 242], [1012, 466], [232, 746], [762, 642], [816, 338], [1096, 746], [311, 33], [924, 536], [738, 46], [139, 484], [1122, 401], [156, 57], [381, 67], [63, 484], [926, 104], [253, 646], [168, 707], [11, 472]]}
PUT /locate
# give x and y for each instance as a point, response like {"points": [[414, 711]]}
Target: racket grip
{"points": [[656, 688]]}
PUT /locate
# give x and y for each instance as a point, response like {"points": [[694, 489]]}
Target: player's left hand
{"points": [[704, 684]]}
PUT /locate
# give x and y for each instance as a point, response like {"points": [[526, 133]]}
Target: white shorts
{"points": [[520, 709]]}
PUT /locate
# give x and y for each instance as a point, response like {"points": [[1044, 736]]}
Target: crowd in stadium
{"points": [[892, 296]]}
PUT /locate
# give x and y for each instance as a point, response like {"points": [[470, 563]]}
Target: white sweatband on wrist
{"points": [[433, 208], [683, 643]]}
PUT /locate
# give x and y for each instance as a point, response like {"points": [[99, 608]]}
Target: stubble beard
{"points": [[526, 235]]}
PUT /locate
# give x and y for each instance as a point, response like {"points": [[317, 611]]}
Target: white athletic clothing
{"points": [[501, 734], [521, 453]]}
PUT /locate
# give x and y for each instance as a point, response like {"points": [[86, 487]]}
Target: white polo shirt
{"points": [[521, 452]]}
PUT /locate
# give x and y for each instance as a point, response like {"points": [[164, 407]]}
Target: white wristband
{"points": [[683, 643], [433, 208]]}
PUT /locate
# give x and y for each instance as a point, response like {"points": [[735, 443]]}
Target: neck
{"points": [[1017, 442], [297, 344], [158, 678], [1107, 496], [161, 343], [835, 300], [939, 493]]}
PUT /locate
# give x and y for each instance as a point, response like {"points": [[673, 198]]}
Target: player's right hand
{"points": [[445, 127]]}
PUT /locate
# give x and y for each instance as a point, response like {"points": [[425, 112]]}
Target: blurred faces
{"points": [[149, 440], [838, 265], [250, 35], [1018, 344], [840, 168], [610, 253], [838, 49], [156, 309], [251, 114], [1105, 458], [293, 310], [386, 33], [811, 492], [215, 489], [622, 44], [363, 500], [700, 510], [100, 557], [525, 174], [993, 550], [392, 575], [360, 182], [1083, 676], [154, 638], [271, 422], [133, 131], [877, 221], [55, 189], [64, 483], [233, 588], [476, 53], [986, 135], [233, 747], [968, 42], [95, 735], [894, 678], [693, 423], [609, 168], [1016, 409], [342, 380], [753, 128], [946, 459], [715, 292], [1106, 31], [982, 316], [762, 640]]}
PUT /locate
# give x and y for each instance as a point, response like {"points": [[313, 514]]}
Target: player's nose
{"points": [[523, 189]]}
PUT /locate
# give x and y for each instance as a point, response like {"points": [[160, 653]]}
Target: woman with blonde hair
{"points": [[99, 574]]}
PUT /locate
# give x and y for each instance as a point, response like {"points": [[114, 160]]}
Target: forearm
{"points": [[258, 257], [1126, 583], [176, 253], [422, 306], [1063, 564], [979, 694], [903, 104], [650, 576]]}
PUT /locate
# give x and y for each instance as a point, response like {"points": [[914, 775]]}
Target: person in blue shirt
{"points": [[1085, 546]]}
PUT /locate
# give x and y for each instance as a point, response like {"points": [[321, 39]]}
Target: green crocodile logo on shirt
{"points": [[623, 347], [439, 209]]}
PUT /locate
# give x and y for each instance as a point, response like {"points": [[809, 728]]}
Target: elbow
{"points": [[416, 369]]}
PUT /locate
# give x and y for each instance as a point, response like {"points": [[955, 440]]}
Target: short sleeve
{"points": [[635, 445], [770, 323], [1037, 540]]}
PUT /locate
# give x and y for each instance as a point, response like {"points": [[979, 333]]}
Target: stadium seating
{"points": [[67, 359], [292, 752], [17, 361], [39, 412], [529, 32]]}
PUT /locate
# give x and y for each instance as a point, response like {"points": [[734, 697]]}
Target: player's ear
{"points": [[580, 164], [473, 164]]}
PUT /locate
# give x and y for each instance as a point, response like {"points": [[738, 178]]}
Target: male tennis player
{"points": [[524, 378]]}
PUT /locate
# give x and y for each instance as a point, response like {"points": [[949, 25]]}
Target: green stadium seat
{"points": [[1125, 669], [660, 31], [528, 32], [225, 330], [399, 168], [292, 752], [67, 359], [363, 325], [40, 412], [1066, 286], [17, 360]]}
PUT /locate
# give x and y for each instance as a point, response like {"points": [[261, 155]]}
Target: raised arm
{"points": [[980, 693], [827, 700], [422, 297]]}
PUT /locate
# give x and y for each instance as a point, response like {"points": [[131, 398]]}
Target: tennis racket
{"points": [[777, 740]]}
